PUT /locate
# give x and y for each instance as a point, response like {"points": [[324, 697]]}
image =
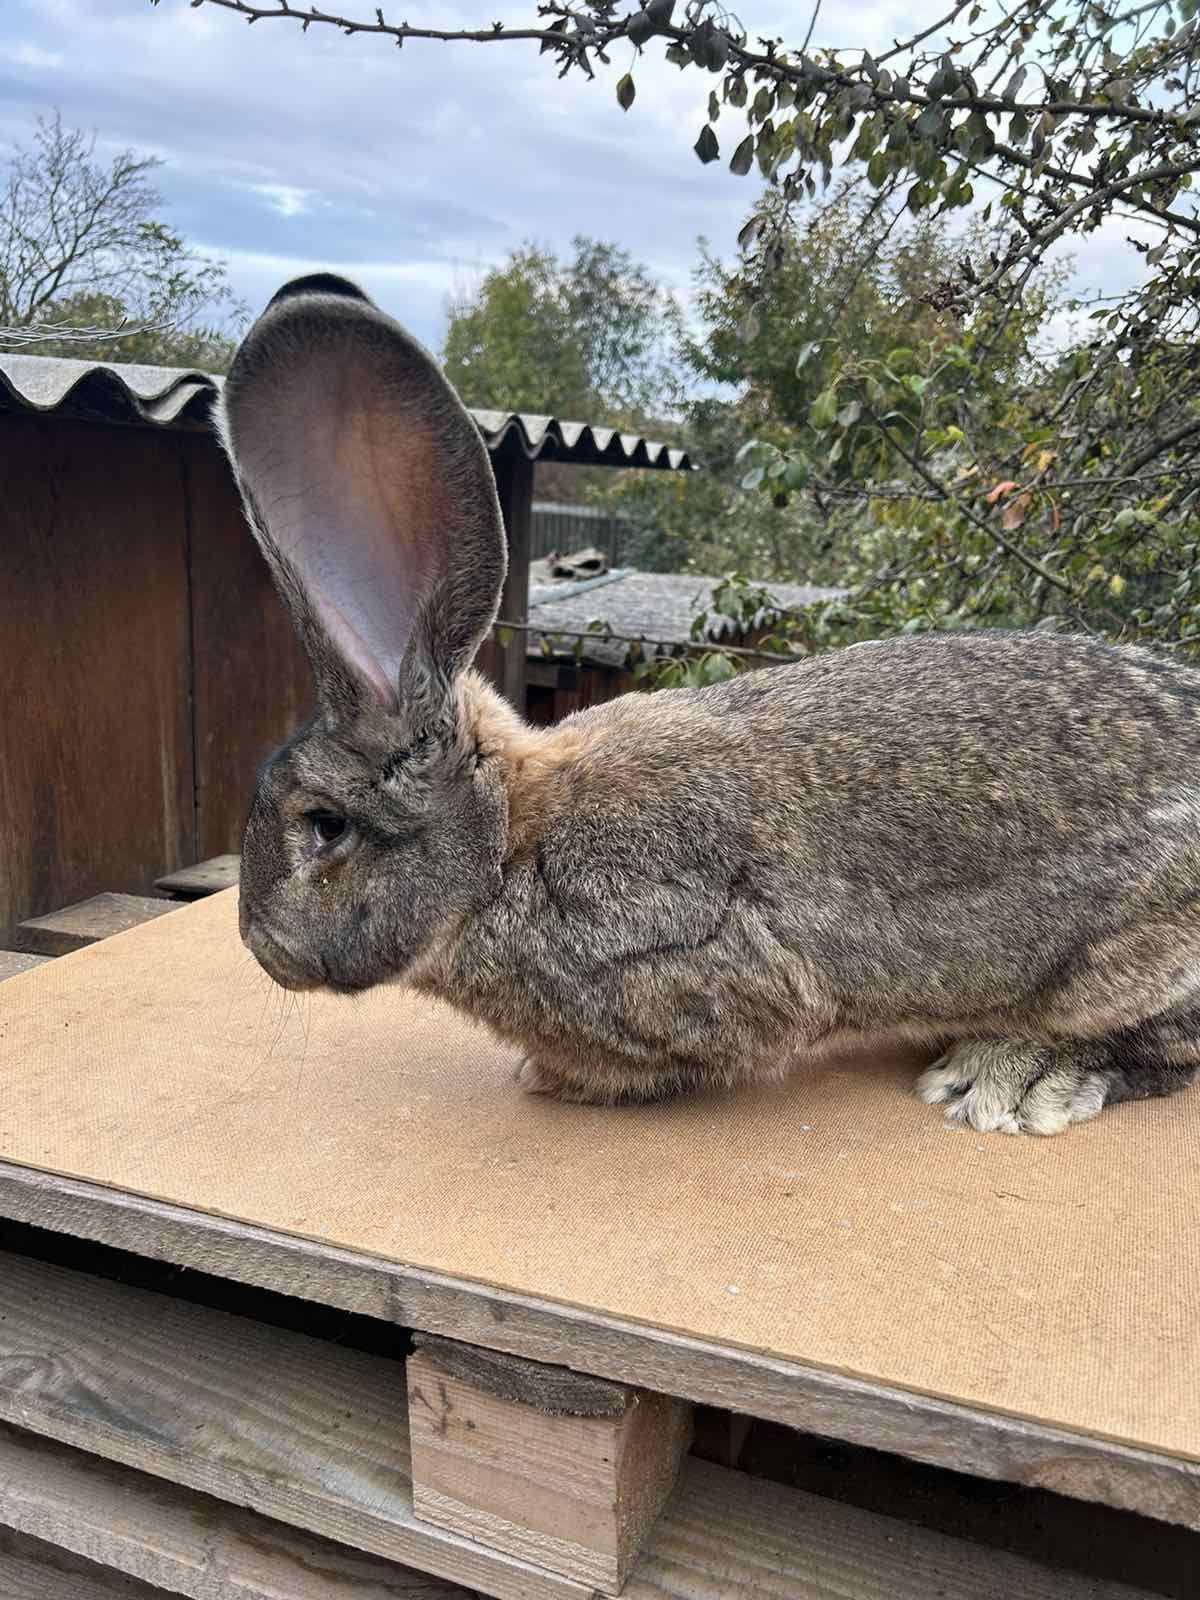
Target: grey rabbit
{"points": [[986, 843]]}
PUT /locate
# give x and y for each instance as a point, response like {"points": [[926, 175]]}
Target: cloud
{"points": [[33, 55], [285, 198], [412, 170]]}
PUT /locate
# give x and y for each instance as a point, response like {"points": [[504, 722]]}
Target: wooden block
{"points": [[14, 961], [186, 1543], [206, 877], [30, 1570], [568, 1473], [91, 920], [719, 1435], [286, 1425]]}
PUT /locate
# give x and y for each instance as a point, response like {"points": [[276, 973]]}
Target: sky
{"points": [[410, 171]]}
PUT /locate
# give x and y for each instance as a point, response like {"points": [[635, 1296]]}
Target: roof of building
{"points": [[654, 607], [168, 397]]}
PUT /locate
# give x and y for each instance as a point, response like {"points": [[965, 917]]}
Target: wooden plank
{"points": [[260, 1415], [60, 932], [95, 740], [570, 1482], [726, 1536], [514, 484], [30, 1570], [187, 1543], [14, 961], [252, 684], [206, 877], [942, 1433], [292, 1427]]}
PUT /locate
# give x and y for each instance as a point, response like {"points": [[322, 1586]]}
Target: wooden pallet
{"points": [[157, 1445], [213, 1456]]}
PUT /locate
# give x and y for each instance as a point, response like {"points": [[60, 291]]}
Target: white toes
{"points": [[995, 1086], [1058, 1100], [940, 1083], [977, 1111]]}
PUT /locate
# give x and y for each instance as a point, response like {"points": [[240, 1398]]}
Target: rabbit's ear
{"points": [[370, 492]]}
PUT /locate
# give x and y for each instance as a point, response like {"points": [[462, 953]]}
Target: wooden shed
{"points": [[146, 666]]}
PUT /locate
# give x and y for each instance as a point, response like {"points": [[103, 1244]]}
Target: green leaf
{"points": [[735, 91], [625, 91], [877, 170], [743, 157], [706, 146], [823, 411], [849, 414]]}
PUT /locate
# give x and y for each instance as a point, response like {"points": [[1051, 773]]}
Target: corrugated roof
{"points": [[655, 607], [164, 397]]}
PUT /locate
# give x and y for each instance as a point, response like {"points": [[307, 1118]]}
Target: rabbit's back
{"points": [[969, 829]]}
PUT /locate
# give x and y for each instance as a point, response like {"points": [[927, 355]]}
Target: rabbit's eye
{"points": [[327, 828]]}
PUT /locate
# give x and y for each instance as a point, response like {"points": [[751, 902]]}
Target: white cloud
{"points": [[285, 198], [33, 55]]}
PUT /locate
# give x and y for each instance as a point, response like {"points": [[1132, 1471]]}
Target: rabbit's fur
{"points": [[984, 842]]}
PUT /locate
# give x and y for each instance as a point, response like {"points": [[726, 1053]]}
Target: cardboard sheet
{"points": [[833, 1219]]}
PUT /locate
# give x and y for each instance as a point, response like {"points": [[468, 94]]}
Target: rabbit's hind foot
{"points": [[1012, 1086], [605, 1081], [537, 1075]]}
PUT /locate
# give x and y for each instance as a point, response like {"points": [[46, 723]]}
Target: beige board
{"points": [[832, 1220]]}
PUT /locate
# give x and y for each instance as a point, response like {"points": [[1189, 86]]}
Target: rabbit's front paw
{"points": [[538, 1075], [1005, 1086]]}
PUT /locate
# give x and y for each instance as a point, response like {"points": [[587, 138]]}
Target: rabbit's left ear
{"points": [[370, 493]]}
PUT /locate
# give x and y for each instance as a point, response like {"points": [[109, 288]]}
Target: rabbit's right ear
{"points": [[370, 492]]}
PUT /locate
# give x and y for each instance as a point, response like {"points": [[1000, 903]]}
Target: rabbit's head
{"points": [[370, 493]]}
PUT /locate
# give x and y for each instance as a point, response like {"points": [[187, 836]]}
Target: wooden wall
{"points": [[145, 663]]}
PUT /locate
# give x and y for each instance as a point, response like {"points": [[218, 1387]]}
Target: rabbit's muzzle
{"points": [[287, 969]]}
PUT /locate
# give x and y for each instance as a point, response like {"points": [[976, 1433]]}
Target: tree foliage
{"points": [[984, 480], [589, 338], [88, 270]]}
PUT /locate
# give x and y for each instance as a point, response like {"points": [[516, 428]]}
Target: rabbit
{"points": [[986, 844]]}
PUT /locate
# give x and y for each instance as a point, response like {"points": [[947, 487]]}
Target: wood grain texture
{"points": [[180, 1541], [985, 1444], [252, 682], [14, 961], [575, 1494], [60, 932], [252, 1412], [206, 877], [293, 1428], [726, 1536], [554, 1391], [95, 740], [30, 1570]]}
